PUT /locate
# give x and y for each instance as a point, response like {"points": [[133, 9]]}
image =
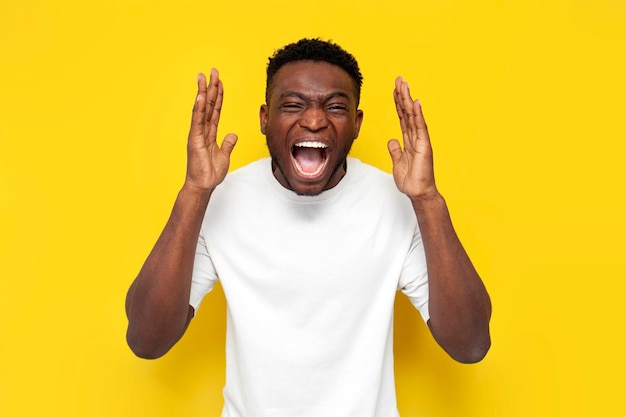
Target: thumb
{"points": [[395, 150], [229, 142]]}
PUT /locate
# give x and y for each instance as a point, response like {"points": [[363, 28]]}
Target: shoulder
{"points": [[253, 170], [239, 186], [372, 178], [376, 187], [373, 193], [249, 176]]}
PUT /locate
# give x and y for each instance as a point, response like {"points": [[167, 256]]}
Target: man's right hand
{"points": [[207, 163], [157, 303]]}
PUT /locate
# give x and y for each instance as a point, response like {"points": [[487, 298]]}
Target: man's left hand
{"points": [[412, 166]]}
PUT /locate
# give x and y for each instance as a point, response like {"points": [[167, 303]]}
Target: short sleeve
{"points": [[204, 275], [414, 277]]}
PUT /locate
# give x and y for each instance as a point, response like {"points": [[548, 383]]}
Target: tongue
{"points": [[309, 159]]}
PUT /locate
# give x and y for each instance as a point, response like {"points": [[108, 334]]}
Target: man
{"points": [[310, 247]]}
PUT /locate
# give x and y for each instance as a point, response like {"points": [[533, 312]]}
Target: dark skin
{"points": [[157, 303], [313, 102], [460, 308], [310, 101]]}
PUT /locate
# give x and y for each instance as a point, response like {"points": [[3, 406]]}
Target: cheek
{"points": [[277, 131], [347, 130], [276, 143]]}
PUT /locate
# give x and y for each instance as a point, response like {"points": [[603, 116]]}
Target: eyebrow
{"points": [[306, 98]]}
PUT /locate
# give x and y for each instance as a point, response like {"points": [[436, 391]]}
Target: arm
{"points": [[460, 308], [157, 303]]}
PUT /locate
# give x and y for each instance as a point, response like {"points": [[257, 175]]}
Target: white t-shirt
{"points": [[310, 284]]}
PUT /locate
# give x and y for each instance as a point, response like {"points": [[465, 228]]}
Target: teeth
{"points": [[311, 144]]}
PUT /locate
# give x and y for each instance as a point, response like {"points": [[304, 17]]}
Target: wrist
{"points": [[194, 193], [430, 197], [428, 204]]}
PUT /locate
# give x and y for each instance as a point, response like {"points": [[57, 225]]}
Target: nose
{"points": [[314, 119]]}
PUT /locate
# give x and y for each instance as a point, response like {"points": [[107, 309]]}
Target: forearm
{"points": [[157, 304], [459, 305]]}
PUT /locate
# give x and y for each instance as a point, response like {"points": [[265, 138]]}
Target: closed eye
{"points": [[337, 108], [291, 107]]}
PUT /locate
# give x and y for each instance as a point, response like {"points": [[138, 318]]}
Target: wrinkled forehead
{"points": [[314, 78]]}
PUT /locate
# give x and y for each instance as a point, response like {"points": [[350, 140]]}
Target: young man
{"points": [[310, 247]]}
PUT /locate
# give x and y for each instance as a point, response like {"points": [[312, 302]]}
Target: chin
{"points": [[309, 191]]}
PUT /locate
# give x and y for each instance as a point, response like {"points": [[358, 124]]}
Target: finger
{"points": [[420, 122], [229, 143], [213, 106], [395, 151], [406, 109], [198, 113], [214, 119], [397, 100]]}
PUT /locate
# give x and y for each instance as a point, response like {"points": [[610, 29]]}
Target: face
{"points": [[310, 122]]}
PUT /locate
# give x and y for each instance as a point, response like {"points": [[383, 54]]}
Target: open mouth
{"points": [[309, 158]]}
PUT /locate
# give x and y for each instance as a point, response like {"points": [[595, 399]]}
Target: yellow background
{"points": [[525, 103]]}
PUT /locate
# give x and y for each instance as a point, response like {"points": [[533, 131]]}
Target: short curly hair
{"points": [[314, 50]]}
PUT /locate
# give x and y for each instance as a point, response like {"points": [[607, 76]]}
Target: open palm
{"points": [[207, 163], [412, 166]]}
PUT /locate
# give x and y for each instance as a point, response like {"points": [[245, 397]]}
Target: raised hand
{"points": [[458, 304], [413, 165], [207, 163]]}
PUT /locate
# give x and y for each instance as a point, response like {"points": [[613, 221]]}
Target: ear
{"points": [[357, 122], [263, 113]]}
